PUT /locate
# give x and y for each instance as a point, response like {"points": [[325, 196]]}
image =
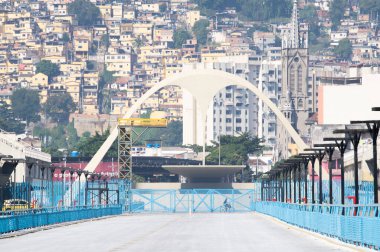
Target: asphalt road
{"points": [[236, 232]]}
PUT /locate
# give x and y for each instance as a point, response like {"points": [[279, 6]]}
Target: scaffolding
{"points": [[125, 141]]}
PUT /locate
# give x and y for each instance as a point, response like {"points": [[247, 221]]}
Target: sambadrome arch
{"points": [[203, 85]]}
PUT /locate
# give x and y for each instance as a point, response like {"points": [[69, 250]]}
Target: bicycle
{"points": [[225, 208]]}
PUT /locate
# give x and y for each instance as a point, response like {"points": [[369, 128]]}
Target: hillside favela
{"points": [[189, 125]]}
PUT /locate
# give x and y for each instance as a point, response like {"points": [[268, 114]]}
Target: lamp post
{"points": [[309, 157], [52, 170], [284, 172], [296, 163], [373, 128], [329, 149], [354, 136], [319, 154], [292, 174], [341, 144]]}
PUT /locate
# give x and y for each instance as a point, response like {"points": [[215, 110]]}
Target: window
{"points": [[238, 129], [238, 120], [300, 103], [299, 80], [292, 80]]}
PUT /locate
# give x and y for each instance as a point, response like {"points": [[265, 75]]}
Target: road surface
{"points": [[236, 232]]}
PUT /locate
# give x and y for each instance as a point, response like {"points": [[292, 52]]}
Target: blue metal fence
{"points": [[359, 225], [365, 191], [18, 220], [65, 193], [192, 200]]}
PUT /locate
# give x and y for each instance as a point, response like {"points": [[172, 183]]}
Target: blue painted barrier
{"points": [[18, 220], [191, 200], [359, 225]]}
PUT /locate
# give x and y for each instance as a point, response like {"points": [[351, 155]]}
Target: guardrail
{"points": [[356, 224], [23, 219]]}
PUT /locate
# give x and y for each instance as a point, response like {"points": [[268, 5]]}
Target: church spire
{"points": [[295, 35]]}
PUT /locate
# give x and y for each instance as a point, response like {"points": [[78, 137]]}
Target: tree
{"points": [[59, 107], [163, 7], [370, 6], [180, 36], [309, 15], [89, 145], [344, 49], [172, 135], [65, 37], [90, 65], [217, 5], [105, 40], [258, 10], [26, 104], [337, 10], [85, 11], [106, 77], [8, 121], [48, 68], [277, 41], [235, 149], [200, 30], [263, 10], [138, 43]]}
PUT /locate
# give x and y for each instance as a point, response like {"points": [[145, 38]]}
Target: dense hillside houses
{"points": [[107, 54]]}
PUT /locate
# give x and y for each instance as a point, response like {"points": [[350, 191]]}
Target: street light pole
{"points": [[219, 146]]}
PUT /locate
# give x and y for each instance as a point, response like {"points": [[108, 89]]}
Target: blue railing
{"points": [[359, 225], [191, 200], [18, 220], [63, 193]]}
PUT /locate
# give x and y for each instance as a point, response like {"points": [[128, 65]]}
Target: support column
{"points": [[320, 157], [330, 152], [355, 140], [312, 160], [42, 185], [30, 166], [79, 187], [342, 145], [86, 189], [299, 183], [306, 163], [63, 187], [295, 183], [374, 131], [71, 187], [286, 185], [52, 170]]}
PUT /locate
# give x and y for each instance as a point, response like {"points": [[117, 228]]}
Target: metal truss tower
{"points": [[124, 149], [126, 129]]}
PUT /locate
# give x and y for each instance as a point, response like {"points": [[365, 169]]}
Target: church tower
{"points": [[293, 97]]}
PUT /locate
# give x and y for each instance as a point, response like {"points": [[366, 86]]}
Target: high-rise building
{"points": [[269, 84], [294, 88]]}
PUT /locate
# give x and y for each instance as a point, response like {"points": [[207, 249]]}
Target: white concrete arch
{"points": [[203, 85]]}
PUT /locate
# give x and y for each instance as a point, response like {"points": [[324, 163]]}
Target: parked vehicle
{"points": [[15, 204]]}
